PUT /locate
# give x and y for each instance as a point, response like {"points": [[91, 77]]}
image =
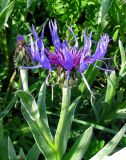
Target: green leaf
{"points": [[33, 153], [29, 103], [111, 87], [11, 150], [42, 106], [122, 52], [105, 6], [8, 108], [3, 144], [115, 35], [118, 112], [21, 154], [41, 103], [3, 4], [29, 3], [80, 146], [45, 144], [4, 15], [94, 125], [109, 147]]}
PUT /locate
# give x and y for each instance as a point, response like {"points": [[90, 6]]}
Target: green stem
{"points": [[24, 79], [62, 121]]}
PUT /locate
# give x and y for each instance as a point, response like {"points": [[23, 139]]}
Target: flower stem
{"points": [[24, 79], [60, 132]]}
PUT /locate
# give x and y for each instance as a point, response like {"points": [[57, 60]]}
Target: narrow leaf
{"points": [[80, 146], [8, 108], [109, 147], [105, 6], [111, 87], [11, 151], [41, 103], [4, 15], [29, 103], [3, 4], [3, 144], [21, 154], [29, 3], [42, 106], [122, 52], [33, 153], [118, 112], [41, 137]]}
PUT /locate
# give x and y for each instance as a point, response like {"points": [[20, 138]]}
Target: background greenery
{"points": [[107, 112]]}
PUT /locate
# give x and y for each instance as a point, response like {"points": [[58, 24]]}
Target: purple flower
{"points": [[64, 55], [38, 54], [20, 38], [72, 57]]}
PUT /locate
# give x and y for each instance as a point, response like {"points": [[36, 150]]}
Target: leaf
{"points": [[42, 106], [111, 87], [29, 3], [122, 52], [11, 150], [8, 108], [121, 154], [41, 103], [30, 105], [118, 112], [44, 142], [115, 35], [109, 147], [3, 144], [33, 153], [21, 154], [94, 125], [3, 4], [4, 15], [80, 146], [105, 6]]}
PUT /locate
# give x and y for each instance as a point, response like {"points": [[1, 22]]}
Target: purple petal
{"points": [[44, 61], [39, 55], [42, 34], [34, 32], [55, 37], [87, 43], [83, 65], [101, 47], [66, 59]]}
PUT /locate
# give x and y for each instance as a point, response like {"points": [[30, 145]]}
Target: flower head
{"points": [[72, 57], [66, 57], [20, 38]]}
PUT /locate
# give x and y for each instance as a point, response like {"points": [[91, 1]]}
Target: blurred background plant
{"points": [[107, 112]]}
